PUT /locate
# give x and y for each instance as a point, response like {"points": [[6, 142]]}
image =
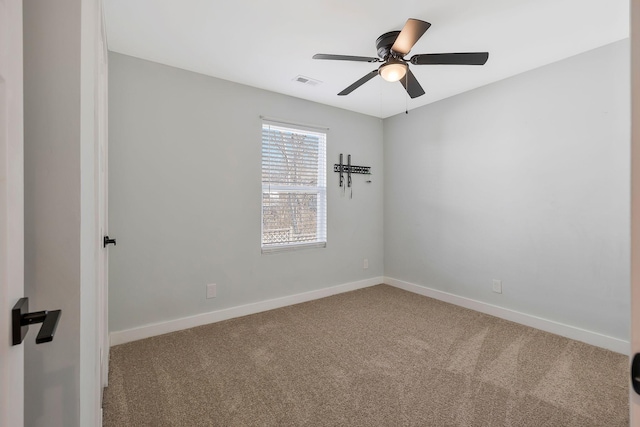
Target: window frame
{"points": [[320, 189]]}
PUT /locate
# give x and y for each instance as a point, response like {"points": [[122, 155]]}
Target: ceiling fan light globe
{"points": [[393, 72]]}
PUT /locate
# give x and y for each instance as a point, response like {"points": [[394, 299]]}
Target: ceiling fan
{"points": [[392, 49]]}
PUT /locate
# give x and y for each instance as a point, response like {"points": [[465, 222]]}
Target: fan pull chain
{"points": [[406, 99], [380, 92]]}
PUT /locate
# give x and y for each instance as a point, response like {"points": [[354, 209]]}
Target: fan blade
{"points": [[359, 83], [411, 84], [410, 34], [345, 57], [468, 58]]}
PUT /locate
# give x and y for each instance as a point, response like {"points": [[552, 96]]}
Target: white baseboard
{"points": [[146, 331], [578, 334]]}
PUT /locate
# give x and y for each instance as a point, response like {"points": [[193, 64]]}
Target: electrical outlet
{"points": [[497, 286], [365, 263], [211, 290]]}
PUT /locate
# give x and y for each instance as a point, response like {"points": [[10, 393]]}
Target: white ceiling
{"points": [[267, 43]]}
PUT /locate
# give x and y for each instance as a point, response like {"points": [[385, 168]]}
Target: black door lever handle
{"points": [[635, 373], [21, 319], [108, 241]]}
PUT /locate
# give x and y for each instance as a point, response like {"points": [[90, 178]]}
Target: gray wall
{"points": [[525, 180], [185, 195], [60, 233]]}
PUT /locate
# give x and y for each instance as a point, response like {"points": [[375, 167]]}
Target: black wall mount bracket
{"points": [[365, 170], [21, 319], [349, 169]]}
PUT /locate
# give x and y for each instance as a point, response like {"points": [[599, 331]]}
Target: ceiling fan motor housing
{"points": [[384, 43]]}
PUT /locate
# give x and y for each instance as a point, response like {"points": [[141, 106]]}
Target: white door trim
{"points": [[634, 399], [11, 209], [101, 187], [102, 171]]}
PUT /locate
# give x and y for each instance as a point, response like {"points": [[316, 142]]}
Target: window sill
{"points": [[292, 247]]}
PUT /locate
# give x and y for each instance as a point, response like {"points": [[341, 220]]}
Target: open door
{"points": [[634, 400], [11, 210], [102, 109]]}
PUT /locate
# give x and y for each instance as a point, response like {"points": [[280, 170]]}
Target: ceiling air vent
{"points": [[307, 80]]}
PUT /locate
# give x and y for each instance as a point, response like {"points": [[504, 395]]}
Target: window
{"points": [[294, 187]]}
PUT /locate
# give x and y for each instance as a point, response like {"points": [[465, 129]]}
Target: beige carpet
{"points": [[374, 357]]}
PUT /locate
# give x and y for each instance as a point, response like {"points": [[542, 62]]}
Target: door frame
{"points": [[634, 399], [11, 208], [102, 192]]}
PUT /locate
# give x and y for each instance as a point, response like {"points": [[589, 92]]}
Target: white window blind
{"points": [[294, 187]]}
